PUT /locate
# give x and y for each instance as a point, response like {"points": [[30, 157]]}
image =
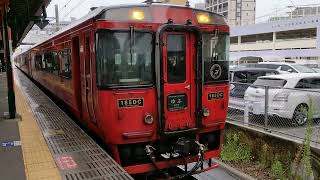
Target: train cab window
{"points": [[176, 58], [124, 58], [215, 51], [65, 63]]}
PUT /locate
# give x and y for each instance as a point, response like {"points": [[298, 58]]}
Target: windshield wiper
{"points": [[131, 43], [213, 54]]}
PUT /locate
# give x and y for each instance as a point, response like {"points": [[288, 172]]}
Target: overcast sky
{"points": [[78, 8]]}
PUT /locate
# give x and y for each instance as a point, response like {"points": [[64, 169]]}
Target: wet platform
{"points": [[52, 146]]}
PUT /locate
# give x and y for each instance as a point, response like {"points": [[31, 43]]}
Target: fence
{"points": [[285, 112]]}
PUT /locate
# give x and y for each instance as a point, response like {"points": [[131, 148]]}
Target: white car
{"points": [[289, 96], [288, 67], [282, 67]]}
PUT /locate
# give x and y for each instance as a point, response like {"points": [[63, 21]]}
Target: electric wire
{"points": [[65, 5], [79, 3], [292, 3]]}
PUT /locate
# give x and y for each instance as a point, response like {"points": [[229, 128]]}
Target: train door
{"points": [[179, 96], [32, 65], [75, 55], [29, 63], [89, 77]]}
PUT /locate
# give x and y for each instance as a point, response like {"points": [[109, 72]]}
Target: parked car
{"points": [[289, 96], [316, 69], [282, 67], [242, 78]]}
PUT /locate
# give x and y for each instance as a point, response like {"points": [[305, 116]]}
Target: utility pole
{"points": [[57, 17]]}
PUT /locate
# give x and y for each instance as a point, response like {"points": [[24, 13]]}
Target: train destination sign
{"points": [[133, 102], [215, 95], [177, 102]]}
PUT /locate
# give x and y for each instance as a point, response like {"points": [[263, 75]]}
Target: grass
{"points": [[306, 157], [233, 150], [278, 171], [302, 163], [275, 159]]}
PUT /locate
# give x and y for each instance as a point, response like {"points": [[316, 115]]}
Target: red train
{"points": [[151, 80]]}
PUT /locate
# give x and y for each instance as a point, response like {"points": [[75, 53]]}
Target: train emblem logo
{"points": [[215, 71]]}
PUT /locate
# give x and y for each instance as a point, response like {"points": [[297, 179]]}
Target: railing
{"points": [[284, 112]]}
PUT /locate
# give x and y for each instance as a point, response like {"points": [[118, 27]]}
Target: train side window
{"points": [[43, 62], [55, 63], [24, 60], [36, 62], [47, 62], [52, 64], [66, 63]]}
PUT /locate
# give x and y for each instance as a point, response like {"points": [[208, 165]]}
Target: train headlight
{"points": [[203, 18], [137, 14], [148, 119], [206, 112]]}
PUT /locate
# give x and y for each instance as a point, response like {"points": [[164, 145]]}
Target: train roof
{"points": [[99, 10]]}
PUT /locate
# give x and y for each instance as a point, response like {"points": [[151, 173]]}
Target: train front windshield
{"points": [[216, 57], [124, 58]]}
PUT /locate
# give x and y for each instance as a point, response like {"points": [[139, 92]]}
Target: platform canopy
{"points": [[16, 19], [21, 16]]}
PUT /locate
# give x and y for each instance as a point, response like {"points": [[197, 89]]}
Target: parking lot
{"points": [[287, 111]]}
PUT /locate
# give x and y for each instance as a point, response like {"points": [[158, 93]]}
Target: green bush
{"points": [[233, 150], [277, 170]]}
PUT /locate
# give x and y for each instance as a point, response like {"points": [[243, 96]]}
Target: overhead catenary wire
{"points": [[280, 3], [272, 13], [286, 9], [65, 5], [292, 3], [79, 3]]}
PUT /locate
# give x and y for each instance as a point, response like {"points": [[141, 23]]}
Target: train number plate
{"points": [[215, 95], [135, 102], [177, 102]]}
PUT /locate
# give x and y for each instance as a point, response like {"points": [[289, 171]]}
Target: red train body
{"points": [[150, 80]]}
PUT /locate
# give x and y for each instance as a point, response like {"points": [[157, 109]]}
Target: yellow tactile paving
{"points": [[38, 160]]}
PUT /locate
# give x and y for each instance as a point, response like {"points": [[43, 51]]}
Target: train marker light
{"points": [[148, 119], [137, 14], [203, 18]]}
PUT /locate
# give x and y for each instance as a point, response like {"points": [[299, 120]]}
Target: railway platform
{"points": [[45, 143]]}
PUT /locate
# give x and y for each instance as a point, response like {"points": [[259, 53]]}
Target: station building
{"points": [[297, 38]]}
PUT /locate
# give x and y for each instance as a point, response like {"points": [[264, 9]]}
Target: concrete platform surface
{"points": [[11, 159]]}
